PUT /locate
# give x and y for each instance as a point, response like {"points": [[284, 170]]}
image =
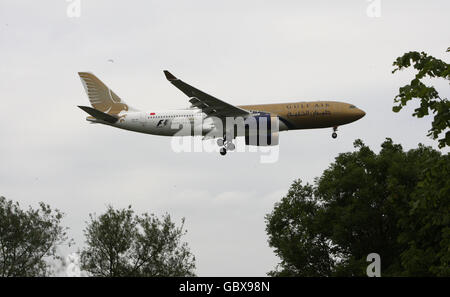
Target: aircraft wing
{"points": [[210, 105]]}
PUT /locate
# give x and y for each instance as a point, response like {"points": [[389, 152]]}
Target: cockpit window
{"points": [[352, 106]]}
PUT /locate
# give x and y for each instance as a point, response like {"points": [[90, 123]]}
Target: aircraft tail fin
{"points": [[101, 97], [100, 115]]}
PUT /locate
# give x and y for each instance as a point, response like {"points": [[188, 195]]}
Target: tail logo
{"points": [[122, 118]]}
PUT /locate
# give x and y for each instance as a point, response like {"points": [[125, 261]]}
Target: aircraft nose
{"points": [[356, 114], [361, 113]]}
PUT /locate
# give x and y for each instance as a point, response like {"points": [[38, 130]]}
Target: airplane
{"points": [[207, 114]]}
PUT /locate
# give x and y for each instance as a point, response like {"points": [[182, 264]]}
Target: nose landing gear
{"points": [[334, 135]]}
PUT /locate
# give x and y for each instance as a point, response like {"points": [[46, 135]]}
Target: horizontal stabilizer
{"points": [[100, 115]]}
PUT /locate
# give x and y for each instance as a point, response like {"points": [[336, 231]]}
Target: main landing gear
{"points": [[225, 145], [334, 135]]}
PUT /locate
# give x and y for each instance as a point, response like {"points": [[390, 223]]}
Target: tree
{"points": [[430, 101], [28, 239], [292, 232], [120, 243], [394, 203]]}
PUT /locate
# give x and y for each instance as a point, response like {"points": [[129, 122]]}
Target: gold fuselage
{"points": [[311, 114]]}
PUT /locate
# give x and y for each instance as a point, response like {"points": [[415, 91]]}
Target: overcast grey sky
{"points": [[243, 52]]}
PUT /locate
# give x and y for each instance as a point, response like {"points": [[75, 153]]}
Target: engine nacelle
{"points": [[262, 130], [262, 139]]}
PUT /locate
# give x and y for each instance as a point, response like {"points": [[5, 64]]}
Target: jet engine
{"points": [[262, 129]]}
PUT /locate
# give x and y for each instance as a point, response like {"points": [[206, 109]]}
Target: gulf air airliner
{"points": [[209, 117]]}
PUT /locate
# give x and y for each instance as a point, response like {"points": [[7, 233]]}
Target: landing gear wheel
{"points": [[230, 146], [334, 135], [223, 151], [220, 142]]}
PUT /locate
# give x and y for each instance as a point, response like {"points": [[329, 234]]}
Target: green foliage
{"points": [[394, 203], [427, 231], [120, 243], [430, 101], [28, 239], [292, 232]]}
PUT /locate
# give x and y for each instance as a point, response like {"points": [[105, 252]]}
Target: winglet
{"points": [[169, 76]]}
